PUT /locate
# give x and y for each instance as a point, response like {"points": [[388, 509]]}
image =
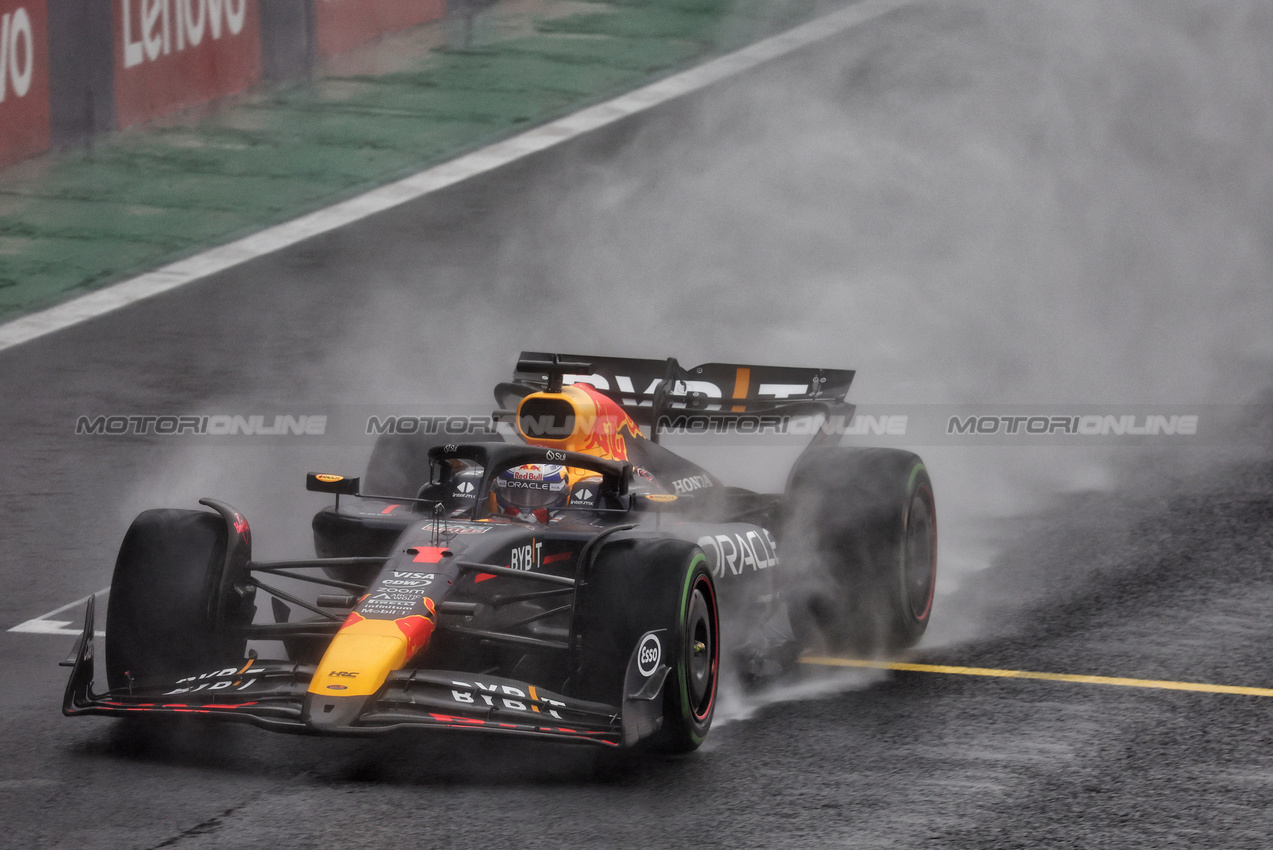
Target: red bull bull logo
{"points": [[595, 425]]}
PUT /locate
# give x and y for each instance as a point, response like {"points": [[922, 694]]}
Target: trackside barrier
{"points": [[174, 53], [73, 68], [344, 24], [82, 81], [287, 39], [24, 79]]}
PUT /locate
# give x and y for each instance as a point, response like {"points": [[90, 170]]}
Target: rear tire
{"points": [[160, 620], [861, 528]]}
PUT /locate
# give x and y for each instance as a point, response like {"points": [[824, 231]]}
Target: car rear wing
{"points": [[651, 390]]}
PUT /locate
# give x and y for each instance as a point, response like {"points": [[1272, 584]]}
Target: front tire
{"points": [[641, 585], [161, 620], [690, 693]]}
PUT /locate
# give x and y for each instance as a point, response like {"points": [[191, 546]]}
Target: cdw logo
{"points": [[17, 53], [163, 26]]}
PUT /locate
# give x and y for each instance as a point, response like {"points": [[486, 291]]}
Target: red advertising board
{"points": [[175, 53], [24, 79], [343, 24]]}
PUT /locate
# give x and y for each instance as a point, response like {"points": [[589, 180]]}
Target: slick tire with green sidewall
{"points": [[640, 585]]}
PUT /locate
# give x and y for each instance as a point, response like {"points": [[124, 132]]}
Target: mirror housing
{"points": [[323, 482]]}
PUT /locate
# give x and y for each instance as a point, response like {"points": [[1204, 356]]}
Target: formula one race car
{"points": [[584, 583]]}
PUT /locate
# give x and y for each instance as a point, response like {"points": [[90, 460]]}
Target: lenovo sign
{"points": [[24, 79], [168, 25], [17, 53], [175, 53]]}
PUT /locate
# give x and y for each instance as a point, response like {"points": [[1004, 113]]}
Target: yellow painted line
{"points": [[1047, 677]]}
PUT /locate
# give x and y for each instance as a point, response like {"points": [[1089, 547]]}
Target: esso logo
{"points": [[17, 53], [649, 654]]}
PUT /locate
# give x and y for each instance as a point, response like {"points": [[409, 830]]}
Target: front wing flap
{"points": [[273, 695]]}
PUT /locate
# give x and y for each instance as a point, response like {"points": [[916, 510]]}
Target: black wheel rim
{"points": [[921, 554], [701, 649]]}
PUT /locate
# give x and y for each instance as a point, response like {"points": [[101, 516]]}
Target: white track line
{"points": [[272, 239], [41, 625]]}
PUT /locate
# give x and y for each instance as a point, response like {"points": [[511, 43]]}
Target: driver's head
{"points": [[530, 491]]}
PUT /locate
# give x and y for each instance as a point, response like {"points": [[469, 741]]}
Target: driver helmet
{"points": [[529, 492]]}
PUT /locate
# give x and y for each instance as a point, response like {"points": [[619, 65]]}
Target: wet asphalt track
{"points": [[1163, 577]]}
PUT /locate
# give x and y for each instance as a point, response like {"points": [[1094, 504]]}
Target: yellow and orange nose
{"points": [[364, 653]]}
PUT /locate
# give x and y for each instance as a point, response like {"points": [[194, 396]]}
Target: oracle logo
{"points": [[17, 53], [165, 26]]}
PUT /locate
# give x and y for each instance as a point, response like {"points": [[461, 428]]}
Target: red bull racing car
{"points": [[578, 581]]}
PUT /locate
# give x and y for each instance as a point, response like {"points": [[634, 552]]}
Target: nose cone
{"points": [[329, 713], [356, 664]]}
